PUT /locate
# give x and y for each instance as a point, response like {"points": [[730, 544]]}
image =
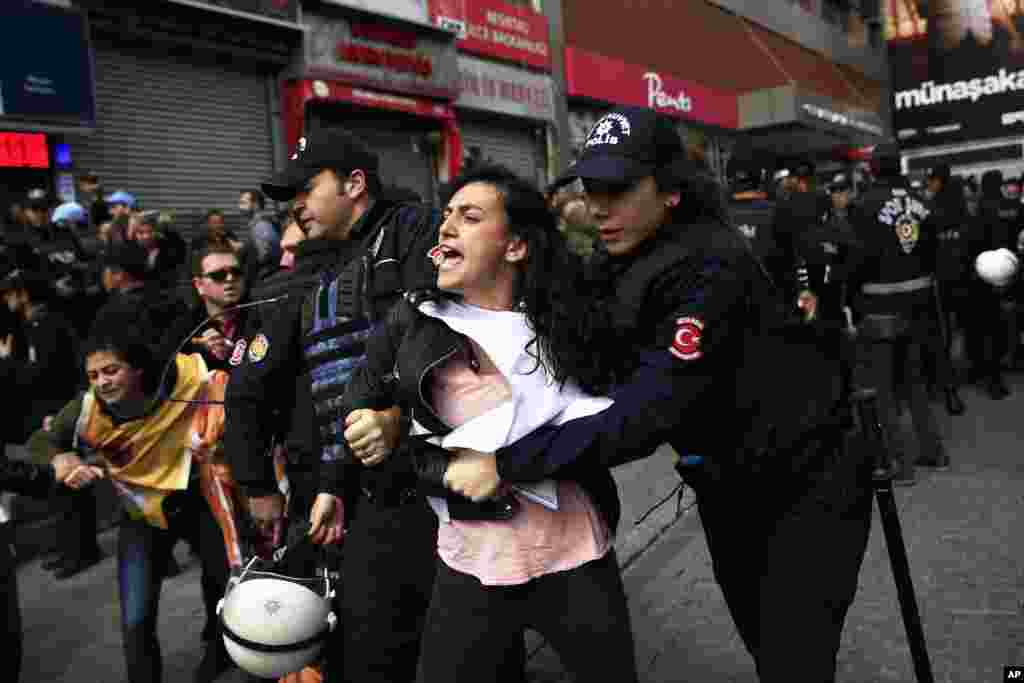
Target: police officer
{"points": [[823, 256], [894, 279], [753, 213], [953, 226], [799, 211], [703, 350], [388, 563], [987, 328]]}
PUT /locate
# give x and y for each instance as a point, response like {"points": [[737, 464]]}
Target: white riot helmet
{"points": [[997, 267], [275, 624]]}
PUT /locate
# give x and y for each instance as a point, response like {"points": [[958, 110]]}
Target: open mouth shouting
{"points": [[444, 257]]}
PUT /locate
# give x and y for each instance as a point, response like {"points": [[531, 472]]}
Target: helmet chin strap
{"points": [[188, 338]]}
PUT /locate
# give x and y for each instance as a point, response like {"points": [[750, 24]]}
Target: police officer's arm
{"points": [[705, 305], [373, 386], [255, 389]]}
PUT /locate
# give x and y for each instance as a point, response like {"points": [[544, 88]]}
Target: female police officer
{"points": [[707, 362]]}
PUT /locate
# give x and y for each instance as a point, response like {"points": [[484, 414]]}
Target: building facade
{"points": [[761, 80]]}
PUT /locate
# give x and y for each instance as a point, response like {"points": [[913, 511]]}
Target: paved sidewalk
{"points": [[963, 535]]}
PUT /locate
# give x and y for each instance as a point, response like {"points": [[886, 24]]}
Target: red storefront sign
{"points": [[24, 150], [495, 29], [595, 76]]}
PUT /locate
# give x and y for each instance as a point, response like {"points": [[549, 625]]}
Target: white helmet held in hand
{"points": [[274, 624], [997, 267]]}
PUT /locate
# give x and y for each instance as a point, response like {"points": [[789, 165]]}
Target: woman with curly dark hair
{"points": [[499, 348]]}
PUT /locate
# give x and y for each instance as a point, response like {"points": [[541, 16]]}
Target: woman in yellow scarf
{"points": [[158, 441]]}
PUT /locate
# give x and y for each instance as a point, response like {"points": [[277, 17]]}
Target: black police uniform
{"points": [[388, 560], [57, 251], [709, 364], [988, 327], [894, 283], [753, 214], [795, 215], [25, 479], [953, 226]]}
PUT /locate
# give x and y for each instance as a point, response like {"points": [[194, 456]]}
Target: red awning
{"points": [[699, 42], [813, 72]]}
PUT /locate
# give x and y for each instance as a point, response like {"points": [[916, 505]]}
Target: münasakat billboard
{"points": [[957, 68]]}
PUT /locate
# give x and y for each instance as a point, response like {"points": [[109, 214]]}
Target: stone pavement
{"points": [[962, 534], [964, 540]]}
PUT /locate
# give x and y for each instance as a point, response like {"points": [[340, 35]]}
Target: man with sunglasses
{"points": [[713, 360], [219, 285], [379, 250]]}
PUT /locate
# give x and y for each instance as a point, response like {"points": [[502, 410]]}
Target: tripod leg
{"points": [[904, 584]]}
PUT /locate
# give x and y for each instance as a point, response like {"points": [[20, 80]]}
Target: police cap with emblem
{"points": [[625, 145], [332, 148]]}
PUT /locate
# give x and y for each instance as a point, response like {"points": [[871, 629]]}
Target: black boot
{"points": [[954, 405]]}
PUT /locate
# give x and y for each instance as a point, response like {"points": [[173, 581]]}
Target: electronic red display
{"points": [[24, 150]]}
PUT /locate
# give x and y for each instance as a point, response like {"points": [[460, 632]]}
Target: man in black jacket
{"points": [[135, 300], [709, 364], [45, 375], [378, 249], [31, 480], [894, 281]]}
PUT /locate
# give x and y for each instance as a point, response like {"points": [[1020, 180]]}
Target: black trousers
{"points": [[987, 333], [786, 552], [895, 368], [11, 652], [387, 572], [582, 612], [389, 561]]}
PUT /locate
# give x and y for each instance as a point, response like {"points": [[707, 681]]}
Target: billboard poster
{"points": [[957, 69]]}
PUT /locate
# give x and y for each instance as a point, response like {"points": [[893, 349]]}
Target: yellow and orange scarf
{"points": [[149, 458]]}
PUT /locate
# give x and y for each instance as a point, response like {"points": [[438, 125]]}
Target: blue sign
{"points": [[46, 69]]}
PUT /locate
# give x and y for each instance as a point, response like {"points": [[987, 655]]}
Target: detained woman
{"points": [[496, 350]]}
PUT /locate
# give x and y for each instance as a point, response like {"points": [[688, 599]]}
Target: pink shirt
{"points": [[536, 541]]}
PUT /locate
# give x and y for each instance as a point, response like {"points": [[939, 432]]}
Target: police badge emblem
{"points": [[258, 348], [908, 231]]}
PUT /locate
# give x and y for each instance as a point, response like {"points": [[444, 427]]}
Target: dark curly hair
{"points": [[550, 288], [128, 346]]}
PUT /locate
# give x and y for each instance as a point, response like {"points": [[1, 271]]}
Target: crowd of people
{"points": [[936, 323], [439, 393]]}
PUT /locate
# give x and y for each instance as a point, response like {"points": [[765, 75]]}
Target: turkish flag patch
{"points": [[686, 344]]}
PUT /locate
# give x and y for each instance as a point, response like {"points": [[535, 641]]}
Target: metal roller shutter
{"points": [[180, 135], [511, 146]]}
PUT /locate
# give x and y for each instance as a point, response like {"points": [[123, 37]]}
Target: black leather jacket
{"points": [[399, 358]]}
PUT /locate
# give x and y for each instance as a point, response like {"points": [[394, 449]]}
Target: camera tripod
{"points": [[865, 402]]}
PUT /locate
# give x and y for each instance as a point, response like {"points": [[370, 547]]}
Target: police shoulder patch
{"points": [[239, 352], [686, 343], [258, 348]]}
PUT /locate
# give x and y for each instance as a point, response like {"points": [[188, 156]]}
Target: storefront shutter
{"points": [[179, 134]]}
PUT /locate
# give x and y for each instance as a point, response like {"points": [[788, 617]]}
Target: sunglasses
{"points": [[221, 275]]}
